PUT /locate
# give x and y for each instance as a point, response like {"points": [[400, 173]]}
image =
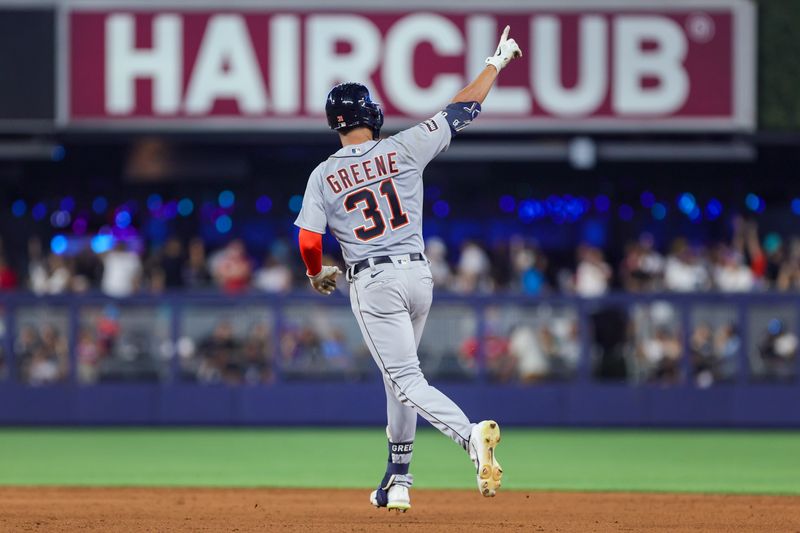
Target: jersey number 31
{"points": [[372, 212]]}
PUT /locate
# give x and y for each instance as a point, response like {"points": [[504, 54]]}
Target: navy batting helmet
{"points": [[350, 105]]}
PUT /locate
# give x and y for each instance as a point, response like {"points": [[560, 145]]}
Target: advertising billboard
{"points": [[598, 65]]}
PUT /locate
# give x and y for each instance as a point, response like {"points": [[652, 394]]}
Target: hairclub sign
{"points": [[602, 65]]}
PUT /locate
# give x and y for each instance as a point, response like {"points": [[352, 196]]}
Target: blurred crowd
{"points": [[747, 262], [226, 356], [642, 344], [42, 354], [124, 271], [743, 264], [526, 347]]}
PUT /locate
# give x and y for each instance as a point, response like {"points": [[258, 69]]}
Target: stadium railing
{"points": [[662, 359]]}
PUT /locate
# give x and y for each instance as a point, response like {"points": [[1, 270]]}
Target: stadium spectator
{"points": [[89, 356], [684, 270], [713, 353], [501, 365], [37, 269], [42, 354], [60, 275], [642, 269], [231, 267], [500, 268], [436, 251], [746, 244], [726, 345], [472, 274], [788, 278], [87, 272], [219, 356], [593, 274], [257, 355], [530, 354], [775, 257], [169, 263], [273, 276], [561, 343], [122, 271], [528, 267], [660, 356], [8, 278], [26, 342], [50, 277], [730, 273], [195, 272], [318, 352], [777, 351], [154, 279], [108, 331]]}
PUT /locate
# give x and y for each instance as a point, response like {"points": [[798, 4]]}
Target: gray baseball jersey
{"points": [[370, 195]]}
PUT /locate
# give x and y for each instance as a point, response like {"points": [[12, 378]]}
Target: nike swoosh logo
{"points": [[376, 273]]}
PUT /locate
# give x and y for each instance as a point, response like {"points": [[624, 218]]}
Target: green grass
{"points": [[679, 461]]}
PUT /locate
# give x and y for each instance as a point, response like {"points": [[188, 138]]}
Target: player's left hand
{"points": [[324, 282], [507, 49]]}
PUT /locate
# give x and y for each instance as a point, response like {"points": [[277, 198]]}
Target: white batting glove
{"points": [[507, 50], [325, 281]]}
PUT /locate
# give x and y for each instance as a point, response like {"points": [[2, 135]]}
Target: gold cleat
{"points": [[482, 444]]}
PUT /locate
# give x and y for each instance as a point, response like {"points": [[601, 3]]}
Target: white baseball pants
{"points": [[391, 302]]}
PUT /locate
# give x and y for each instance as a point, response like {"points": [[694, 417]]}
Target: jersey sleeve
{"points": [[312, 215], [426, 140], [429, 138]]}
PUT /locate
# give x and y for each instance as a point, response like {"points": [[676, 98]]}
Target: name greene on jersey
{"points": [[380, 166]]}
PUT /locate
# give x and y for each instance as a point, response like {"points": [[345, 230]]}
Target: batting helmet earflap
{"points": [[349, 105]]}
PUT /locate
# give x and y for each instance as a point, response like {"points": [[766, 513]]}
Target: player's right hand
{"points": [[507, 49], [324, 282]]}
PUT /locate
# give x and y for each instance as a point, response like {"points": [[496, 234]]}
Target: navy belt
{"points": [[365, 264]]}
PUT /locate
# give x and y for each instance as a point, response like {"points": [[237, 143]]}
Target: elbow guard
{"points": [[459, 115]]}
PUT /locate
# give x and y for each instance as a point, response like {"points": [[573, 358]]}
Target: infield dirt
{"points": [[241, 510]]}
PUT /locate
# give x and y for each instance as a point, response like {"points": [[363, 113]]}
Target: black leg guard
{"points": [[395, 471]]}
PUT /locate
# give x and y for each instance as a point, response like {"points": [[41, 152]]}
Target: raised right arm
{"points": [[476, 91]]}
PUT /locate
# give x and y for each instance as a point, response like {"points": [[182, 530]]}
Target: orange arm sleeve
{"points": [[311, 251]]}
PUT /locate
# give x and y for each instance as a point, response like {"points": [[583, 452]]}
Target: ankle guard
{"points": [[396, 470], [400, 452], [395, 475]]}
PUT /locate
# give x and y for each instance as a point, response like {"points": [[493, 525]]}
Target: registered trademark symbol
{"points": [[700, 27]]}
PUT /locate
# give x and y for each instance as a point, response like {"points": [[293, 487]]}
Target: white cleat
{"points": [[398, 496], [482, 444]]}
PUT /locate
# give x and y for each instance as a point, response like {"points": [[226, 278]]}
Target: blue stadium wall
{"points": [[582, 401]]}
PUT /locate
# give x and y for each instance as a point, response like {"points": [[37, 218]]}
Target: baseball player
{"points": [[369, 194]]}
